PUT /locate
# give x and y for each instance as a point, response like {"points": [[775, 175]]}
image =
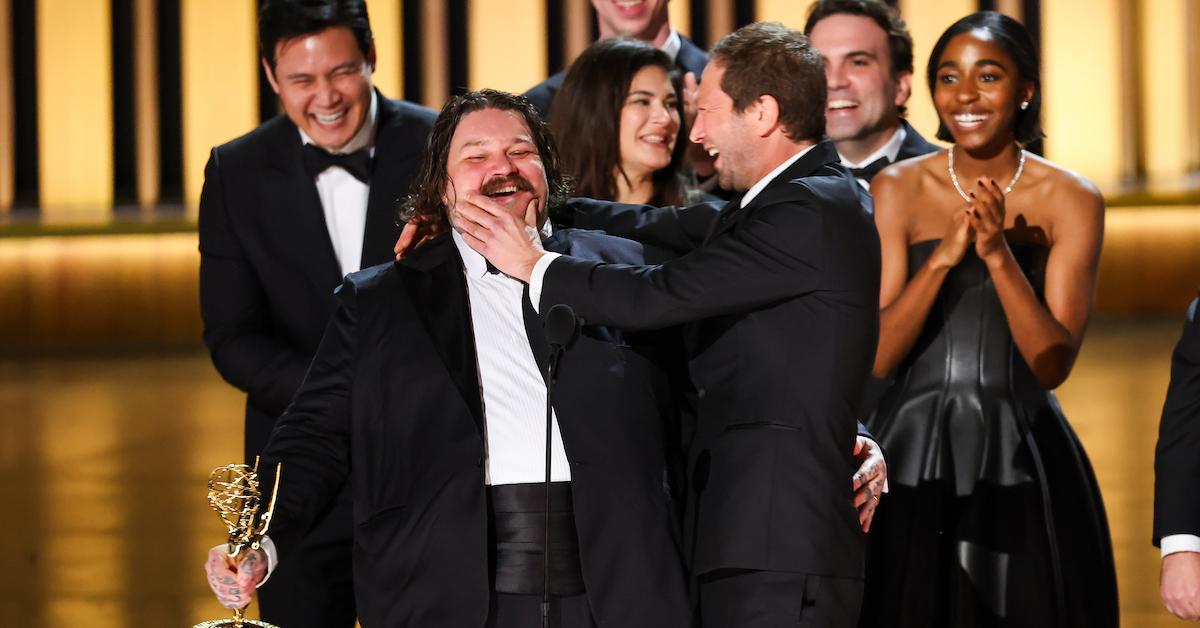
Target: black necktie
{"points": [[317, 160], [869, 171]]}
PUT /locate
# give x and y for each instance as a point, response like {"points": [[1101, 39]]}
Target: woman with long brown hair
{"points": [[619, 122], [990, 257]]}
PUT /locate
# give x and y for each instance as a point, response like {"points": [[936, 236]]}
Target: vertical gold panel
{"points": [[145, 102], [577, 25], [7, 113], [386, 24], [1080, 82], [1012, 8], [506, 44], [791, 13], [680, 12], [220, 81], [75, 123], [435, 58], [720, 20], [1192, 28], [927, 20], [1164, 78]]}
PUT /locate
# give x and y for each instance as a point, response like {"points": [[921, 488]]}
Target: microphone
{"points": [[560, 328]]}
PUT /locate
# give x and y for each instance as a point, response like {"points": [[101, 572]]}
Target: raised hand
{"points": [[987, 220], [511, 243], [869, 480], [234, 584]]}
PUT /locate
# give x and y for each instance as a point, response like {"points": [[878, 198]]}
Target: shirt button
{"points": [[700, 393]]}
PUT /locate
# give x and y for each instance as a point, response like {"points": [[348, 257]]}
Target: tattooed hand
{"points": [[232, 583]]}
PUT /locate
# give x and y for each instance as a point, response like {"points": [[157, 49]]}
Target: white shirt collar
{"points": [[365, 138], [672, 45], [890, 150], [765, 181], [473, 262]]}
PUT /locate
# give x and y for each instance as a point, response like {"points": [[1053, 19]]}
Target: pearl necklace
{"points": [[1009, 188]]}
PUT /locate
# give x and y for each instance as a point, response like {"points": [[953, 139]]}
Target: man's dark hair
{"points": [[587, 109], [900, 45], [428, 189], [1012, 37], [280, 20], [769, 58]]}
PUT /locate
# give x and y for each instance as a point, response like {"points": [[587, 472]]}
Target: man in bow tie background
{"points": [[868, 73], [286, 211]]}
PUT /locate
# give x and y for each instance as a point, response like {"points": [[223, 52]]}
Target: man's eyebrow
{"points": [[861, 53]]}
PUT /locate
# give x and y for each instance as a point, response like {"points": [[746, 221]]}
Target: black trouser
{"points": [[312, 587], [743, 598]]}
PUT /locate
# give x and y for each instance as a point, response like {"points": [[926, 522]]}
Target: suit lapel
{"points": [[394, 164], [293, 207], [439, 292]]}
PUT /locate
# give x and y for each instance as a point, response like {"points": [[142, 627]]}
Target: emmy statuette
{"points": [[234, 494]]}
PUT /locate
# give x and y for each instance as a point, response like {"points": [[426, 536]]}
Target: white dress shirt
{"points": [[344, 198], [1173, 543], [672, 44], [510, 381], [890, 150]]}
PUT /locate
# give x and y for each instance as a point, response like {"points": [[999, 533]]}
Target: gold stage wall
{"points": [[115, 104]]}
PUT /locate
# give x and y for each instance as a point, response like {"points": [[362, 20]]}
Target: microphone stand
{"points": [[556, 352]]}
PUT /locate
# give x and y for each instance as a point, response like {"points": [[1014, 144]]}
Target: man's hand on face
{"points": [[1180, 584], [234, 584], [511, 243], [869, 480]]}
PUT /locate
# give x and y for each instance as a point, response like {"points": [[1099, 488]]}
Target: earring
{"points": [[1024, 105]]}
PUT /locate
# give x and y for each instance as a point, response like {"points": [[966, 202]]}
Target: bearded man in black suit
{"points": [[781, 303], [286, 211], [431, 379]]}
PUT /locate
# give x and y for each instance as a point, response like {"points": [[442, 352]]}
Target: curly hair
{"points": [[428, 189]]}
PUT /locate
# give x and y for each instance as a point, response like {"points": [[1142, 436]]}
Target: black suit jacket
{"points": [[691, 58], [783, 299], [392, 402], [267, 266], [1177, 456]]}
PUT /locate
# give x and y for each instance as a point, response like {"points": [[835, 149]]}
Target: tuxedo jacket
{"points": [[691, 58], [392, 402], [781, 305], [1177, 456], [267, 265]]}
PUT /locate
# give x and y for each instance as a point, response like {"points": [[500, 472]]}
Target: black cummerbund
{"points": [[519, 513]]}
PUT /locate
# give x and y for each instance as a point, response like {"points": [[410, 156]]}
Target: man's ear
{"points": [[766, 114], [270, 75], [903, 88]]}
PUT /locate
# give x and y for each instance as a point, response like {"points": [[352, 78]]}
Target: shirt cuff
{"points": [[1173, 543], [268, 548], [536, 277]]}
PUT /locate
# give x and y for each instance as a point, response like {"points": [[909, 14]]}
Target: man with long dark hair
{"points": [[286, 211], [430, 378]]}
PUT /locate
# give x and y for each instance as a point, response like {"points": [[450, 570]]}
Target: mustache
{"points": [[499, 183]]}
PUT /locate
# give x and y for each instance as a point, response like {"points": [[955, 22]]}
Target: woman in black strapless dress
{"points": [[994, 517]]}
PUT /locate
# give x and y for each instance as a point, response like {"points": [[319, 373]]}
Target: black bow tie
{"points": [[317, 160], [869, 171], [491, 268]]}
